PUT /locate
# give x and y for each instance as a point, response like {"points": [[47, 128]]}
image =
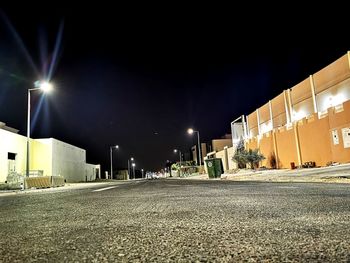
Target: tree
{"points": [[240, 155]]}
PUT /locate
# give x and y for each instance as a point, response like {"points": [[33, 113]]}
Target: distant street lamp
{"points": [[180, 155], [142, 173], [45, 87], [131, 159], [111, 153], [133, 170], [191, 131], [180, 159]]}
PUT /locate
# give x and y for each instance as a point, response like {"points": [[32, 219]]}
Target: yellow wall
{"points": [[286, 147], [315, 140], [309, 136], [338, 121], [252, 143], [41, 157], [314, 137], [218, 145], [266, 147]]}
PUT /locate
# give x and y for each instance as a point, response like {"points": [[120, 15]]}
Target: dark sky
{"points": [[141, 80]]}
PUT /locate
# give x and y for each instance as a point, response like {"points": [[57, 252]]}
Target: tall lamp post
{"points": [[142, 173], [111, 153], [131, 159], [133, 170], [45, 87], [191, 131], [180, 159], [180, 155]]}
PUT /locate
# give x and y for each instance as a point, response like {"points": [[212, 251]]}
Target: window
{"points": [[11, 156]]}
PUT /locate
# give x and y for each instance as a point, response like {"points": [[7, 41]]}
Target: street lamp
{"points": [[142, 173], [180, 155], [191, 131], [131, 159], [133, 170], [45, 87], [111, 153]]}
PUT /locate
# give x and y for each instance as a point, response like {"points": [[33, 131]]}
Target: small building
{"points": [[214, 145], [48, 157]]}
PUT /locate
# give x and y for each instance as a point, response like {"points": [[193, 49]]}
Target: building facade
{"points": [[48, 157], [309, 122]]}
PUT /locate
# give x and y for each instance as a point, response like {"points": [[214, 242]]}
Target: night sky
{"points": [[141, 80]]}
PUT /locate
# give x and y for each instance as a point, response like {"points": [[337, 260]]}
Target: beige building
{"points": [[309, 122], [213, 146], [48, 157]]}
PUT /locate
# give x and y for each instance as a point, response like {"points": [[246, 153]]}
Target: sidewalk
{"points": [[67, 186], [331, 174]]}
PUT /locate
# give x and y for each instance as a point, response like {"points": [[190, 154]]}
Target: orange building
{"points": [[309, 122]]}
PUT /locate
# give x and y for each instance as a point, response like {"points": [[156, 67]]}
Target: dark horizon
{"points": [[138, 85]]}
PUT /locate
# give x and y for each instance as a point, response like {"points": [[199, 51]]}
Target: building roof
{"points": [[6, 128]]}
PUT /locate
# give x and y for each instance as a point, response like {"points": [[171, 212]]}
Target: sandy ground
{"points": [[334, 174]]}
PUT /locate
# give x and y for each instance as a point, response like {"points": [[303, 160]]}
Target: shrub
{"points": [[242, 156], [254, 157]]}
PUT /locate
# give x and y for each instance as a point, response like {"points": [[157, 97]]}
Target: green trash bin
{"points": [[215, 167]]}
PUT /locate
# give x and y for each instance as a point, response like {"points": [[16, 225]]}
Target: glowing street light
{"points": [[191, 131], [142, 172], [111, 153], [45, 87], [131, 159], [133, 170], [180, 155]]}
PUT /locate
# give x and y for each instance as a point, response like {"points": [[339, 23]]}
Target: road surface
{"points": [[178, 221]]}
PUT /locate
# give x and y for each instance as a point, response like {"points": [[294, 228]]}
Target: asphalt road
{"points": [[179, 221]]}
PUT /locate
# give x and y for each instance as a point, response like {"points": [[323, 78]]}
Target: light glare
{"points": [[190, 131], [45, 86]]}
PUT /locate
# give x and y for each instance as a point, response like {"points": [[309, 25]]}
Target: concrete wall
{"points": [[58, 158], [231, 164], [53, 157], [40, 154], [68, 161], [14, 143], [226, 158], [92, 172], [222, 156]]}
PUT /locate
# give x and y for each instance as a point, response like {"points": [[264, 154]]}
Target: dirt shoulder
{"points": [[332, 174]]}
